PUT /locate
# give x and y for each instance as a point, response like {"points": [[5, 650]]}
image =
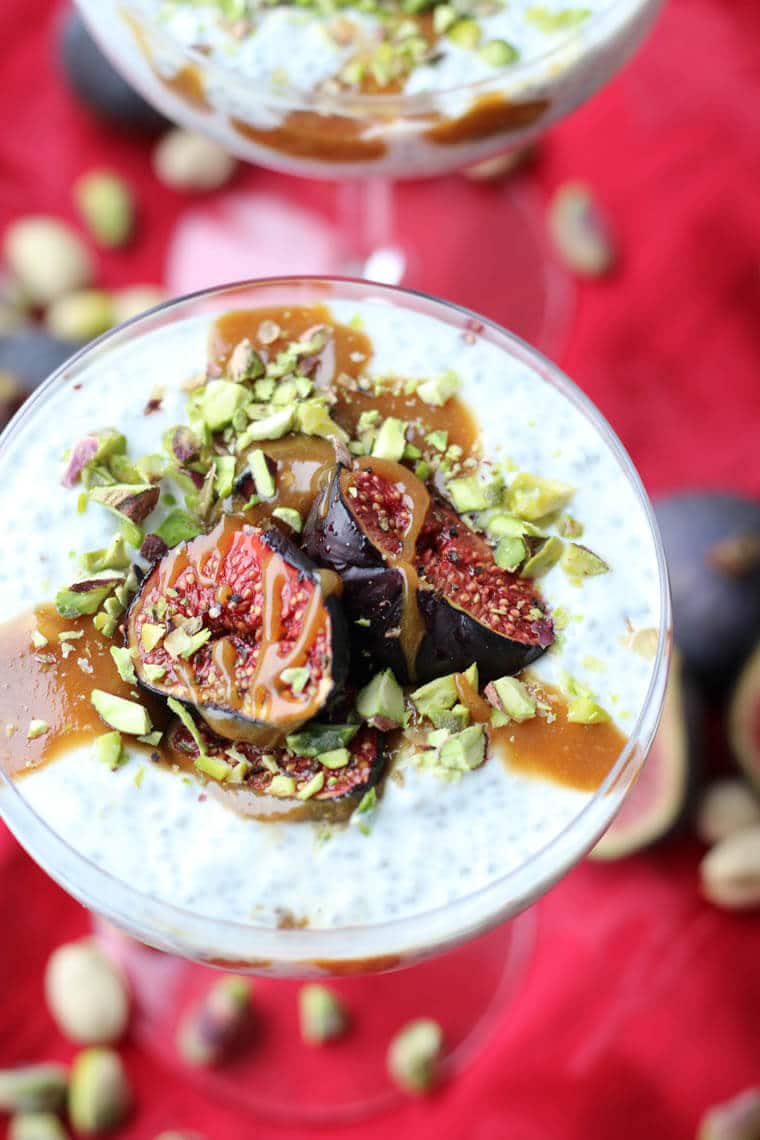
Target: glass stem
{"points": [[366, 217]]}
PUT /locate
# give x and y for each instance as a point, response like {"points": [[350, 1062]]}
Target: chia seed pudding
{"points": [[427, 833], [370, 88]]}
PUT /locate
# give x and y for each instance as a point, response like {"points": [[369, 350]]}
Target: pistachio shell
{"points": [[80, 316], [106, 204], [730, 872], [727, 806], [580, 232], [414, 1055], [47, 258], [99, 1093], [185, 160], [86, 993]]}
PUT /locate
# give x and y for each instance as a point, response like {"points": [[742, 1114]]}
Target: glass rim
{"points": [[301, 946], [416, 102]]}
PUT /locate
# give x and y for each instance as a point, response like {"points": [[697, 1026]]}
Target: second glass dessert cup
{"points": [[483, 245], [459, 963]]}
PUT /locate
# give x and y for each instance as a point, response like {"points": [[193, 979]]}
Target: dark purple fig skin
{"points": [[333, 537], [375, 595], [340, 651], [678, 750], [716, 614]]}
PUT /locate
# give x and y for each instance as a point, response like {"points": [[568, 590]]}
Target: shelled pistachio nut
{"points": [[107, 206], [129, 303], [185, 160], [414, 1055], [86, 994], [99, 1092], [730, 871], [33, 1088], [726, 807], [736, 1119], [80, 316], [580, 232], [47, 258], [214, 1027], [36, 1126], [321, 1014]]}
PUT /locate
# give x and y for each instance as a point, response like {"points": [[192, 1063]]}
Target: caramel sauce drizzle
{"points": [[489, 115], [187, 83]]}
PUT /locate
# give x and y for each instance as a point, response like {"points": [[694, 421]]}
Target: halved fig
{"points": [[286, 782], [422, 591], [744, 719], [659, 803], [238, 624]]}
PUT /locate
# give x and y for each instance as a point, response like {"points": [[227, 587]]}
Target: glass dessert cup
{"points": [[388, 971], [366, 143]]}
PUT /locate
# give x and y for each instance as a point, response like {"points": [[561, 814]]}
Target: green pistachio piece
{"points": [[390, 441], [318, 738], [213, 766], [213, 1026], [262, 476], [545, 556], [312, 787], [282, 786], [512, 697], [297, 677], [151, 738], [467, 494], [125, 716], [240, 771], [150, 635], [290, 517], [437, 439], [471, 675], [444, 15], [438, 694], [33, 1088], [313, 418], [337, 758], [439, 389], [465, 33], [85, 597], [532, 497], [498, 53], [368, 420], [39, 641], [437, 738], [80, 316], [245, 364], [219, 402], [36, 729], [422, 470], [178, 526], [414, 1055], [186, 718], [452, 720], [367, 804], [548, 20], [107, 206], [412, 452], [108, 749], [381, 700], [99, 1093], [114, 557], [510, 526], [224, 466], [580, 562], [584, 710], [264, 389], [321, 1014], [499, 718], [465, 750], [271, 427], [185, 640], [569, 527], [36, 1126], [124, 664], [510, 552]]}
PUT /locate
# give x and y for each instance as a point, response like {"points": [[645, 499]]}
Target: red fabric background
{"points": [[641, 1005]]}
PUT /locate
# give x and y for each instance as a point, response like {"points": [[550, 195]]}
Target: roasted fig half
{"points": [[422, 592], [238, 624], [292, 781]]}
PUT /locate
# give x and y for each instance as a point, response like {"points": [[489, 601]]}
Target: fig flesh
{"points": [[659, 803], [422, 591], [712, 547], [238, 625]]}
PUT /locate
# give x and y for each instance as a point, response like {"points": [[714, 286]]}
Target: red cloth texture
{"points": [[640, 1008]]}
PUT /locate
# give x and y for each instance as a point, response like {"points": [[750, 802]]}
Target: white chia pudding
{"points": [[428, 841], [455, 81]]}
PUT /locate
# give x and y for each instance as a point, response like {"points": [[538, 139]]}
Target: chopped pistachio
{"points": [[245, 363], [262, 476], [467, 494], [151, 738], [512, 697], [437, 738], [126, 716], [422, 470], [282, 786], [368, 420], [183, 643], [124, 664], [336, 758], [502, 525], [36, 729], [274, 426], [108, 749], [150, 635], [114, 557], [499, 718], [584, 710], [510, 552], [580, 562], [464, 750], [452, 720], [543, 559], [241, 770], [569, 527], [186, 718], [321, 1014], [368, 803], [437, 439], [178, 526], [390, 440], [318, 738], [532, 497], [70, 634], [313, 418], [213, 766], [219, 401], [130, 501], [465, 33], [296, 677], [498, 53], [414, 1055], [39, 641], [438, 694], [312, 787], [381, 699], [549, 20], [290, 517], [78, 601], [225, 475], [439, 389]]}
